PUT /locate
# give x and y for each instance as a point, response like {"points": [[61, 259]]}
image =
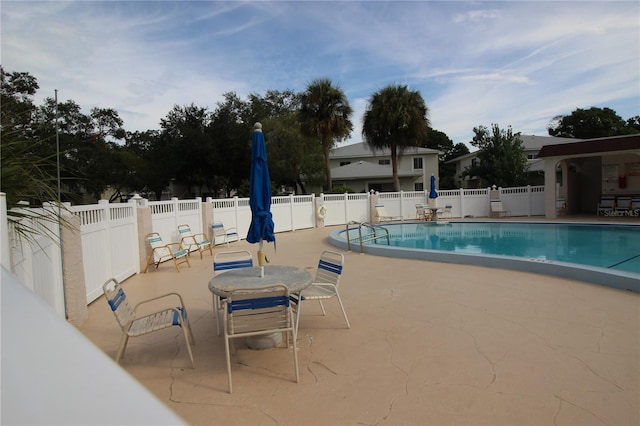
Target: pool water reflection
{"points": [[611, 248]]}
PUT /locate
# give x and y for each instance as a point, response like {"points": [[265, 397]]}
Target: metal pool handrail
{"points": [[367, 238]]}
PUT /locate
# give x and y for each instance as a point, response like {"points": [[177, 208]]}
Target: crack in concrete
{"points": [[563, 400], [596, 374]]}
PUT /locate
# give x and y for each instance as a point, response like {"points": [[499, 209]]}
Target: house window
{"points": [[384, 162], [417, 163], [532, 156], [344, 163], [474, 162], [418, 186]]}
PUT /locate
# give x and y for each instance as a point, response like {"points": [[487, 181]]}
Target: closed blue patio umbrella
{"points": [[432, 190], [261, 227]]}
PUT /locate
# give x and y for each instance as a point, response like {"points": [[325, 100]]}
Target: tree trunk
{"points": [[327, 162]]}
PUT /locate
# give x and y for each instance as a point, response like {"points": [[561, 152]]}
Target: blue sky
{"points": [[515, 63]]}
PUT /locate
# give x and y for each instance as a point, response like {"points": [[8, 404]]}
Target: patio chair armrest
{"points": [[325, 285], [190, 240], [204, 238], [162, 296]]}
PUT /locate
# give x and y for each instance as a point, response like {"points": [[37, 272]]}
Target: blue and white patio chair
{"points": [[255, 312], [325, 284], [607, 203], [193, 241], [222, 235], [623, 202], [161, 252], [225, 261], [133, 324]]}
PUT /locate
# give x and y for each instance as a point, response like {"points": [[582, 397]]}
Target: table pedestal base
{"points": [[266, 341]]}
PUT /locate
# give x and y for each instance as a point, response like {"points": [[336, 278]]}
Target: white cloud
{"points": [[518, 63]]}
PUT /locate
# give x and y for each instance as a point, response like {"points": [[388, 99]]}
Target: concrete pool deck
{"points": [[430, 344]]}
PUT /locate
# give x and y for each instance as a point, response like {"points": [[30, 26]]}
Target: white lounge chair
{"points": [[561, 207], [222, 235], [193, 242], [623, 203], [383, 216], [255, 312], [497, 210], [161, 252], [422, 212], [225, 261], [607, 203], [445, 213], [134, 325], [325, 284]]}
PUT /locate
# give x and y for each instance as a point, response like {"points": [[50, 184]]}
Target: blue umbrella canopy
{"points": [[261, 228], [432, 191]]}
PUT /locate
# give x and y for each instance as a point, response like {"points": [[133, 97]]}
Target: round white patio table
{"points": [[294, 278]]}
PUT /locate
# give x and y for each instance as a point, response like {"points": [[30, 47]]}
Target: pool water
{"points": [[615, 247]]}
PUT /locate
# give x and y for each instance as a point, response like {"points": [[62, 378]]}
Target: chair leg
{"points": [[322, 307], [123, 345], [228, 355], [216, 312], [298, 306], [186, 330], [295, 355], [344, 313], [149, 260]]}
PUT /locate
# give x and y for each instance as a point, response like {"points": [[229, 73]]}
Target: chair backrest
{"points": [[218, 229], [496, 206], [380, 208], [623, 202], [184, 231], [117, 300], [607, 201], [159, 250], [330, 267], [226, 260], [259, 309]]}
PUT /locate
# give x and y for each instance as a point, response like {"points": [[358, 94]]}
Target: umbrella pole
{"points": [[261, 259]]}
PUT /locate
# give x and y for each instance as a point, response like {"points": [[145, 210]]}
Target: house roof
{"points": [[529, 143], [366, 170], [535, 143], [359, 150], [592, 146]]}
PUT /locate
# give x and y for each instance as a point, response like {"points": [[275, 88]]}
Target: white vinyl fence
{"points": [[109, 232]]}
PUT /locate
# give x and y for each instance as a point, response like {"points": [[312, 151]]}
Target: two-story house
{"points": [[359, 167], [531, 144]]}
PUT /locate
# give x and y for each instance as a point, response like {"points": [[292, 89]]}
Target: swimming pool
{"points": [[607, 254]]}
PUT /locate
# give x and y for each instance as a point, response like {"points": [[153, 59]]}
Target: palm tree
{"points": [[324, 114], [395, 118]]}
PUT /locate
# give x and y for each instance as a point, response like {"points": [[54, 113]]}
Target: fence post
{"points": [[174, 201], [145, 226], [235, 211], [291, 213], [529, 200], [318, 202], [462, 204]]}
